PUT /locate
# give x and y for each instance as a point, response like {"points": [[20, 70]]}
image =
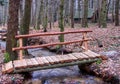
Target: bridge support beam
{"points": [[57, 65]]}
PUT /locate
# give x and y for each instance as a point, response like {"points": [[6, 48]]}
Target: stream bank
{"points": [[64, 75]]}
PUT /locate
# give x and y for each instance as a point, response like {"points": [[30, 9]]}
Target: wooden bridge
{"points": [[39, 63]]}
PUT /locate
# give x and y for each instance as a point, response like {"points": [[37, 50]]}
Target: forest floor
{"points": [[110, 38]]}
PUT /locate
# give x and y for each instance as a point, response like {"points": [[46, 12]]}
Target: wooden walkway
{"points": [[48, 62], [39, 63]]}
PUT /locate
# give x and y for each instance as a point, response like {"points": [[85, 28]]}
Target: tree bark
{"points": [[113, 13], [45, 16], [66, 14], [72, 13], [79, 9], [21, 12], [26, 21], [38, 22], [99, 12], [12, 28], [61, 21], [85, 14], [103, 14], [117, 12]]}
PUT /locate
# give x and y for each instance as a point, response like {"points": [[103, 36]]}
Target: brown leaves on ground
{"points": [[109, 37]]}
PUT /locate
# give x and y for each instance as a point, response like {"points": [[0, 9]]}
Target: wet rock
{"points": [[57, 72], [36, 81], [110, 54], [74, 80]]}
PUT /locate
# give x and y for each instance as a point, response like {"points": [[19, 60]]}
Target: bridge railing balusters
{"points": [[21, 51], [84, 40]]}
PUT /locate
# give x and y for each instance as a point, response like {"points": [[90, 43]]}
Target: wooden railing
{"points": [[21, 47]]}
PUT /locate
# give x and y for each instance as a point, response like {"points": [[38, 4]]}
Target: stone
{"points": [[110, 53]]}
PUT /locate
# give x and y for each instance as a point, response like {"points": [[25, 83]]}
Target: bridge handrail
{"points": [[21, 47], [50, 44], [51, 33]]}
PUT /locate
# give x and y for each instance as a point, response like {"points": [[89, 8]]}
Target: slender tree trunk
{"points": [[38, 22], [34, 11], [117, 12], [61, 21], [108, 6], [113, 8], [26, 21], [50, 14], [37, 8], [103, 14], [21, 12], [66, 14], [85, 14], [72, 13], [5, 13], [79, 10], [12, 28], [45, 16], [99, 12]]}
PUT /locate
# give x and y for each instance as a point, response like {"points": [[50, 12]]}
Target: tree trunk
{"points": [[117, 12], [26, 21], [99, 12], [103, 14], [38, 22], [108, 7], [66, 14], [50, 13], [79, 9], [85, 14], [45, 16], [113, 8], [72, 13], [12, 28], [21, 12], [34, 12], [61, 21]]}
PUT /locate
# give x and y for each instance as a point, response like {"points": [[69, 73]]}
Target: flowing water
{"points": [[63, 75]]}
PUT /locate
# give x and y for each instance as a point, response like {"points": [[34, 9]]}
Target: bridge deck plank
{"points": [[93, 53], [89, 54], [48, 60], [29, 63], [66, 59], [55, 59], [39, 60], [20, 64], [61, 60], [3, 68], [9, 67], [69, 59], [72, 57], [34, 62], [80, 56]]}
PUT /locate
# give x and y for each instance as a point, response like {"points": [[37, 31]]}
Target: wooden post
{"points": [[85, 42], [21, 45]]}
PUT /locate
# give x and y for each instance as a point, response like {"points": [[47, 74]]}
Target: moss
{"points": [[98, 61], [6, 57], [61, 21]]}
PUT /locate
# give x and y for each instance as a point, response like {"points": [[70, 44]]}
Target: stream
{"points": [[63, 75]]}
